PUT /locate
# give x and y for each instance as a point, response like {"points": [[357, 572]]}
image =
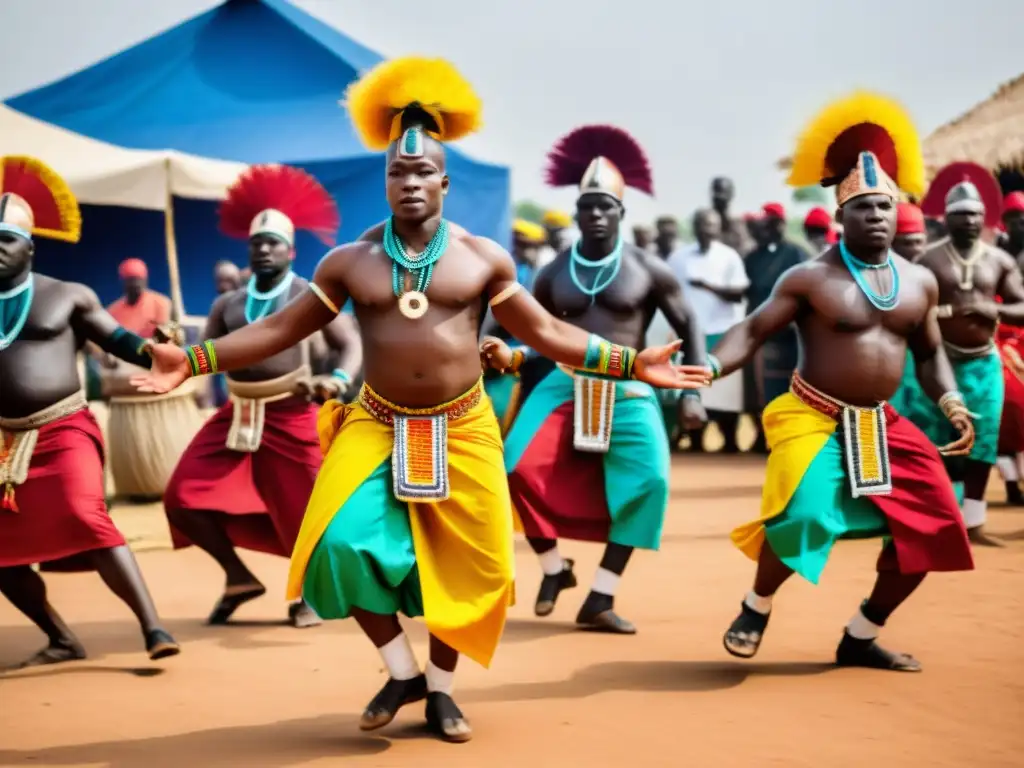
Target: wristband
{"points": [[715, 365], [341, 376], [518, 358], [606, 359], [952, 403], [130, 347], [202, 358]]}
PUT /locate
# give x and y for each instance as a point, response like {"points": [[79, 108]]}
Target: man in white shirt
{"points": [[714, 283]]}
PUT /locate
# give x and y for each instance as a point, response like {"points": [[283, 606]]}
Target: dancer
{"points": [[51, 449], [588, 458], [411, 510], [246, 477], [971, 275], [843, 464], [1008, 339]]}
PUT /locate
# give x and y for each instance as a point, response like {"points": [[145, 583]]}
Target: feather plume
{"points": [[289, 190], [934, 202], [388, 89], [570, 157], [828, 148], [53, 204]]}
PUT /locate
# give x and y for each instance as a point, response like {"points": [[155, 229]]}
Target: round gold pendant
{"points": [[413, 305]]}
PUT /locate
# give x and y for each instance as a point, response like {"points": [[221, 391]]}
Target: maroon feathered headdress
{"points": [[277, 200], [599, 158], [989, 194]]}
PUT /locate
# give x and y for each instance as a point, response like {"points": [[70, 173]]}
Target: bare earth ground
{"points": [[261, 695]]}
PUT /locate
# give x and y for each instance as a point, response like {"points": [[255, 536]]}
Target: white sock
{"points": [[551, 562], [399, 658], [439, 680], [862, 628], [974, 511], [606, 582], [755, 602], [1008, 468]]}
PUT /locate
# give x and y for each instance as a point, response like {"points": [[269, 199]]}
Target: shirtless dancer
{"points": [[843, 463], [245, 479], [51, 450], [1011, 429], [588, 458], [411, 510], [971, 275]]}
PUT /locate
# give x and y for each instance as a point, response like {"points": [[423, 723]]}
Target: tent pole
{"points": [[177, 302]]}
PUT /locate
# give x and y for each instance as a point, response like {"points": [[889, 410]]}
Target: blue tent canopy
{"points": [[253, 81]]}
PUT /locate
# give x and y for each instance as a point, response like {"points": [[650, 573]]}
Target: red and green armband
{"points": [[603, 358], [202, 358]]}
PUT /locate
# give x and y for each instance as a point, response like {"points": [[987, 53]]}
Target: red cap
{"points": [[132, 268], [832, 236], [1013, 202], [774, 210], [909, 219], [817, 218]]}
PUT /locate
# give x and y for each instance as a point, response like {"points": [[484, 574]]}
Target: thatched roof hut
{"points": [[990, 134]]}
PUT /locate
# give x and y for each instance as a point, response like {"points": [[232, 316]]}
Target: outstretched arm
{"points": [[342, 335], [523, 316], [677, 311], [738, 345], [91, 322]]}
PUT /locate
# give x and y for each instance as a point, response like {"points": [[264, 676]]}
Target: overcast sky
{"points": [[718, 86]]}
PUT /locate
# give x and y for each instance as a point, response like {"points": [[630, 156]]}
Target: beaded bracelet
{"points": [[715, 365], [202, 358], [518, 358], [606, 359]]}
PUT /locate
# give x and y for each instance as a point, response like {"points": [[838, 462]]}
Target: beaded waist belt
{"points": [[249, 407], [18, 438], [419, 459], [863, 430]]}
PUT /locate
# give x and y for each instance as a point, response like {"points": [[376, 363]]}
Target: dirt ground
{"points": [[262, 695]]}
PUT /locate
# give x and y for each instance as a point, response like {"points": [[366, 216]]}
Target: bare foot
{"points": [[55, 653], [301, 616], [978, 536], [233, 598]]}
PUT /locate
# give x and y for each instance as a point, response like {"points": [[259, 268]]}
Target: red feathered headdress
{"points": [[953, 175], [600, 158], [277, 200], [34, 200]]}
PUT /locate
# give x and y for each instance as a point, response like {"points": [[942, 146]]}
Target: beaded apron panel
{"points": [[867, 451], [593, 411], [419, 459]]}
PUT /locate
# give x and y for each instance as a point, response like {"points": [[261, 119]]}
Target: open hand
{"points": [[654, 365], [495, 353], [963, 444], [169, 371]]}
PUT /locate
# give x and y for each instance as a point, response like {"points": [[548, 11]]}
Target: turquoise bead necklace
{"points": [[612, 261], [413, 304], [16, 302], [886, 302], [259, 304]]}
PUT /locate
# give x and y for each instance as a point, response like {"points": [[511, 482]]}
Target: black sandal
{"points": [[744, 636], [231, 601], [445, 719], [160, 645], [605, 621], [392, 697], [854, 652], [551, 586]]}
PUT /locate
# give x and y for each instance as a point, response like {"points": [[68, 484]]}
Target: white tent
{"points": [[104, 174]]}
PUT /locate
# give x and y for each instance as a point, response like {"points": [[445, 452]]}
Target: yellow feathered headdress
{"points": [[864, 143], [447, 105]]}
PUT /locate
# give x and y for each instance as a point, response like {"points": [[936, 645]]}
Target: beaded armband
{"points": [[202, 358], [518, 358], [715, 365], [953, 403], [606, 359]]}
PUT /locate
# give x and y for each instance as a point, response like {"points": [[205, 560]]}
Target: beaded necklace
{"points": [[885, 302], [23, 294], [413, 304], [267, 300], [612, 260]]}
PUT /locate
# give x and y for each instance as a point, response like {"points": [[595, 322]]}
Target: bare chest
{"points": [[841, 304], [956, 275], [575, 289], [241, 309], [48, 315], [457, 280]]}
